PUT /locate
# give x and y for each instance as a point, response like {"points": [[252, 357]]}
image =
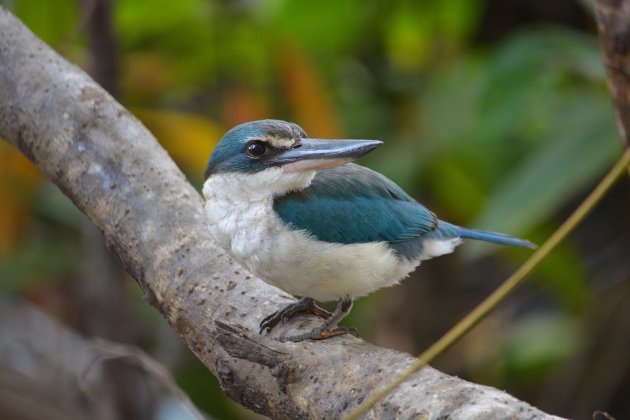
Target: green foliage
{"points": [[325, 27], [528, 112], [50, 20], [415, 32], [534, 129], [569, 158], [537, 343], [499, 136]]}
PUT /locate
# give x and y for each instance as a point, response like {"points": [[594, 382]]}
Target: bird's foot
{"points": [[330, 328], [286, 313], [320, 333]]}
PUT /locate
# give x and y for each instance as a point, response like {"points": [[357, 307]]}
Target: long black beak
{"points": [[319, 154]]}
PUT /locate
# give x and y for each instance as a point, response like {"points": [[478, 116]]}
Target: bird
{"points": [[296, 213]]}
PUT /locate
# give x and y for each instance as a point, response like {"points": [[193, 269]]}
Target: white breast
{"points": [[240, 216]]}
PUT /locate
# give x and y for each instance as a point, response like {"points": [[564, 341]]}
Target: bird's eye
{"points": [[256, 149]]}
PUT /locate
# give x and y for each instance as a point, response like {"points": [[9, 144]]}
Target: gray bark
{"points": [[113, 169], [49, 372], [613, 23]]}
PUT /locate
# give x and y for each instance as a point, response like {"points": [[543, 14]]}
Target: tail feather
{"points": [[487, 236]]}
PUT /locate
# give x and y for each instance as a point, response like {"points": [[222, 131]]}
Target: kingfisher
{"points": [[295, 212]]}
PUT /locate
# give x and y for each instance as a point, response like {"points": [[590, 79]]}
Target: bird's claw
{"points": [[353, 331], [286, 313], [327, 330], [269, 322]]}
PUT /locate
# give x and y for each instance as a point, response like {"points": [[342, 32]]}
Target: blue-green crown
{"points": [[229, 155]]}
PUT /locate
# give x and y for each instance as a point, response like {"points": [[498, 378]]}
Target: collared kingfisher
{"points": [[296, 213]]}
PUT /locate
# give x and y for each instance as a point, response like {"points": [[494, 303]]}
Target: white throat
{"points": [[243, 187]]}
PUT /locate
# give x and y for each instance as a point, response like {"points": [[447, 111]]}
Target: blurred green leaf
{"points": [[140, 22], [537, 343], [325, 27], [53, 205], [38, 260], [453, 186], [564, 275], [54, 21], [530, 122], [570, 158], [416, 32]]}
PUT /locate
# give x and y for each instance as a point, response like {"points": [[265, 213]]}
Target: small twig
{"points": [[491, 302]]}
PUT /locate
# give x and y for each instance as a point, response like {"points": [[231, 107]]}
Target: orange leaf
{"points": [[188, 138], [307, 94]]}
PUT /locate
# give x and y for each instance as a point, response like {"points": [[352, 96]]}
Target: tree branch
{"points": [[117, 174], [73, 372], [613, 23]]}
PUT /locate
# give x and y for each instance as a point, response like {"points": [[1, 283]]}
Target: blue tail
{"points": [[484, 235]]}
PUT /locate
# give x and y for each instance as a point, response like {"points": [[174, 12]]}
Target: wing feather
{"points": [[353, 204]]}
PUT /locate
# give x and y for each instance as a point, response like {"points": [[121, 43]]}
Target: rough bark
{"points": [[118, 175], [613, 23]]}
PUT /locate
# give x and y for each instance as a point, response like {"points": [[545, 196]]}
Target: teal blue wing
{"points": [[352, 204]]}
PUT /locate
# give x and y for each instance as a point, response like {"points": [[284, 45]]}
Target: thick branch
{"points": [[117, 174], [613, 23]]}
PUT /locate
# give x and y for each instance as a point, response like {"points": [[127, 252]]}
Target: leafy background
{"points": [[494, 114]]}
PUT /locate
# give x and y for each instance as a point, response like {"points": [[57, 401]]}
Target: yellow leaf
{"points": [[187, 137]]}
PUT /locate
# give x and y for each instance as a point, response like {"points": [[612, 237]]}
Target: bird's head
{"points": [[279, 152]]}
